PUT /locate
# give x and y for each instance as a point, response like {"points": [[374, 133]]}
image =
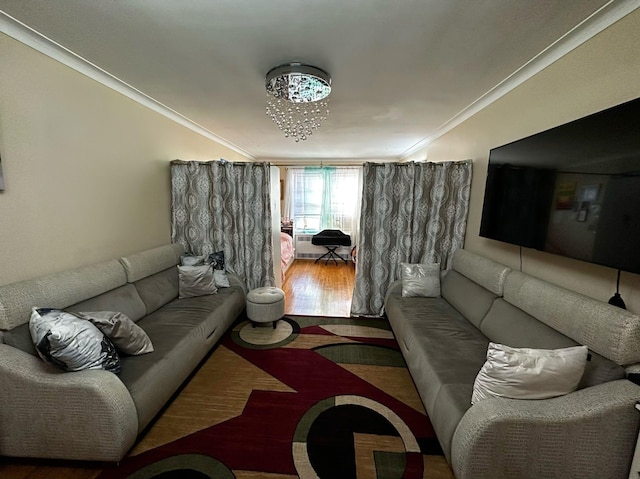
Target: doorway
{"points": [[319, 289]]}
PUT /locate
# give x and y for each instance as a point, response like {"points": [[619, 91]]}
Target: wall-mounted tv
{"points": [[573, 190]]}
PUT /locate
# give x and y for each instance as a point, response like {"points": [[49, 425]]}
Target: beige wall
{"points": [[601, 73], [86, 169]]}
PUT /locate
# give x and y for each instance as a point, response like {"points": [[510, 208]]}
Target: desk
{"points": [[287, 229]]}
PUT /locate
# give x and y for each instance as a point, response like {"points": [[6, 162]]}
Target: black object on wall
{"points": [[517, 203], [573, 190]]}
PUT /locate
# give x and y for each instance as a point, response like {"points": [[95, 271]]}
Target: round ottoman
{"points": [[265, 305]]}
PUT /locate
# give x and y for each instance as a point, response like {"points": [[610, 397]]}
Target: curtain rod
{"points": [[322, 166]]}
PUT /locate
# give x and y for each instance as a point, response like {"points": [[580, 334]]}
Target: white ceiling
{"points": [[403, 71]]}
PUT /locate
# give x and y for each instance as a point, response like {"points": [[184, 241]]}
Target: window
{"points": [[324, 198]]}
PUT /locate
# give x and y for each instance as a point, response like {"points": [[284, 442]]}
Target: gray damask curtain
{"points": [[411, 213], [220, 205]]}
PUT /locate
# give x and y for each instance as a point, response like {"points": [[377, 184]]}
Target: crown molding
{"points": [[598, 21], [23, 33]]}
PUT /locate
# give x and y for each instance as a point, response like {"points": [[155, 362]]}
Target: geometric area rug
{"points": [[317, 397]]}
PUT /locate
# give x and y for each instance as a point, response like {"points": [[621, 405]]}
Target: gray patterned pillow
{"points": [[420, 280], [127, 336], [195, 281], [217, 260], [71, 343]]}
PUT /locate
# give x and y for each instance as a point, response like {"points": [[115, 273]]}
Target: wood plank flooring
{"points": [[319, 289]]}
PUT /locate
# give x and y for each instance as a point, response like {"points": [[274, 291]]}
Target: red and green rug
{"points": [[315, 398]]}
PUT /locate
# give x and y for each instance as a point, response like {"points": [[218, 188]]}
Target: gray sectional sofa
{"points": [[589, 433], [94, 414]]}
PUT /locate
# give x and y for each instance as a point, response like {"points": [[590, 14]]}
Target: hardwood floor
{"points": [[319, 289]]}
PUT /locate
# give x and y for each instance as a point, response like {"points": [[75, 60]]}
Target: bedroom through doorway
{"points": [[319, 201], [319, 289]]}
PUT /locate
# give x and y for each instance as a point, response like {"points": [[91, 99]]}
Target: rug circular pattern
{"points": [[346, 435], [264, 336], [184, 466]]}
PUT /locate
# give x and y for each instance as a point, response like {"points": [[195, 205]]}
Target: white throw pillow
{"points": [[190, 260], [195, 281], [220, 278], [420, 280], [524, 373], [72, 343], [127, 336]]}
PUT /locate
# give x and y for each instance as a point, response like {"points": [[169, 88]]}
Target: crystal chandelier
{"points": [[297, 98]]}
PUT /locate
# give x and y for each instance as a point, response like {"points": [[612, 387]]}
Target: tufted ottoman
{"points": [[265, 305]]}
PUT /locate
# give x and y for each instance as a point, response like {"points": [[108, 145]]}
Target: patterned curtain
{"points": [[411, 213], [221, 205]]}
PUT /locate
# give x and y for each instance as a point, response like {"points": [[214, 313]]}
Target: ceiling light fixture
{"points": [[297, 98]]}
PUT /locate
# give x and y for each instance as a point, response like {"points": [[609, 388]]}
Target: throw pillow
{"points": [[126, 336], [195, 281], [523, 373], [217, 260], [191, 260], [71, 343], [420, 280], [221, 279]]}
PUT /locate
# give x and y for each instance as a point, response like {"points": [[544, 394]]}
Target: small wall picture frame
{"points": [[589, 193], [565, 195]]}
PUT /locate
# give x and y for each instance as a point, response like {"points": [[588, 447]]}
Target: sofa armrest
{"points": [[235, 280], [49, 413], [394, 287], [590, 433]]}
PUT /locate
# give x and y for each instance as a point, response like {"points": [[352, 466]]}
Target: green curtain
{"points": [[327, 174]]}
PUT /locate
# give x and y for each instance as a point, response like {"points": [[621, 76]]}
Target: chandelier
{"points": [[297, 98]]}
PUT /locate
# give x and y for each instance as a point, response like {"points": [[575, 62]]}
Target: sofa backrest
{"points": [[472, 284], [154, 274], [607, 330], [98, 287], [143, 264], [509, 325], [483, 271], [57, 290]]}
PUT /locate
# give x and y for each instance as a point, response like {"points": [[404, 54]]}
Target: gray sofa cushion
{"points": [[469, 298], [124, 299], [158, 289], [483, 271], [143, 264], [449, 352], [57, 290], [506, 324], [444, 353], [20, 337], [182, 332], [578, 316]]}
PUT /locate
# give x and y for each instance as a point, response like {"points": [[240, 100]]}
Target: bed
{"points": [[286, 252]]}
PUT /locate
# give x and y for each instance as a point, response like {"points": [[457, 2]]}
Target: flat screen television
{"points": [[573, 190]]}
